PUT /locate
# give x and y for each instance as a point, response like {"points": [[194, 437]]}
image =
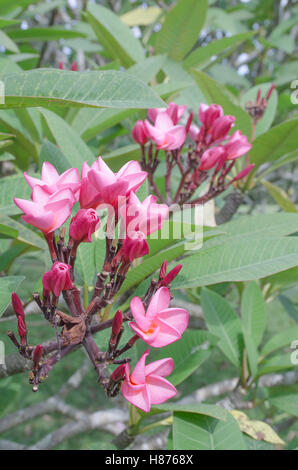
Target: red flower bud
{"points": [[37, 353], [163, 270], [61, 67], [171, 275], [17, 304], [83, 224], [118, 374], [139, 133], [243, 173], [117, 323], [57, 279], [270, 92], [74, 66]]}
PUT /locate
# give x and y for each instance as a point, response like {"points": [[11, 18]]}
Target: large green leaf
{"points": [[223, 322], [43, 34], [215, 92], [280, 196], [114, 35], [12, 186], [200, 432], [24, 234], [285, 401], [253, 312], [8, 285], [66, 138], [49, 152], [213, 411], [107, 89], [188, 353], [6, 42], [238, 260], [181, 28], [202, 55], [278, 141]]}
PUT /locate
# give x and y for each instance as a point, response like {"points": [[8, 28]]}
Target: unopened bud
{"points": [[37, 353], [163, 270], [117, 323], [171, 276], [118, 374]]}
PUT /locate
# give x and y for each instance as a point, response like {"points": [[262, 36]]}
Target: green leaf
{"points": [[285, 401], [278, 141], [51, 153], [181, 28], [6, 22], [8, 285], [280, 196], [85, 262], [13, 186], [7, 232], [108, 89], [276, 364], [280, 340], [263, 124], [253, 312], [43, 34], [25, 235], [217, 93], [223, 322], [67, 139], [114, 35], [239, 260], [256, 429], [6, 42], [213, 411], [202, 55], [289, 306], [188, 353], [199, 432]]}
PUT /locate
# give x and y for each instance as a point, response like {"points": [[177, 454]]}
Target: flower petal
{"points": [[160, 389]]}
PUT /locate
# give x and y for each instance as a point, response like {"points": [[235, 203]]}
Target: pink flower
{"points": [[174, 111], [211, 157], [84, 223], [237, 146], [134, 246], [51, 181], [209, 114], [244, 172], [139, 133], [146, 385], [221, 127], [89, 195], [194, 132], [57, 279], [46, 212], [113, 187], [165, 134], [160, 325], [146, 216]]}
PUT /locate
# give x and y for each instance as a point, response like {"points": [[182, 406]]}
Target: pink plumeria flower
{"points": [[49, 212], [221, 127], [211, 158], [208, 114], [57, 279], [146, 385], [174, 111], [51, 181], [165, 134], [113, 187], [134, 246], [237, 146], [146, 216], [160, 325]]}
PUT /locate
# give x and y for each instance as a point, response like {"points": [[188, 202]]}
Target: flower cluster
{"points": [[54, 199], [211, 152]]}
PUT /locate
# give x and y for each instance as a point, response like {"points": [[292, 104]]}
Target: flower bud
{"points": [[74, 66], [244, 172], [83, 224], [171, 275], [139, 133], [118, 374], [163, 270], [117, 323], [57, 279], [209, 114], [134, 246], [37, 353], [17, 304], [237, 146]]}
